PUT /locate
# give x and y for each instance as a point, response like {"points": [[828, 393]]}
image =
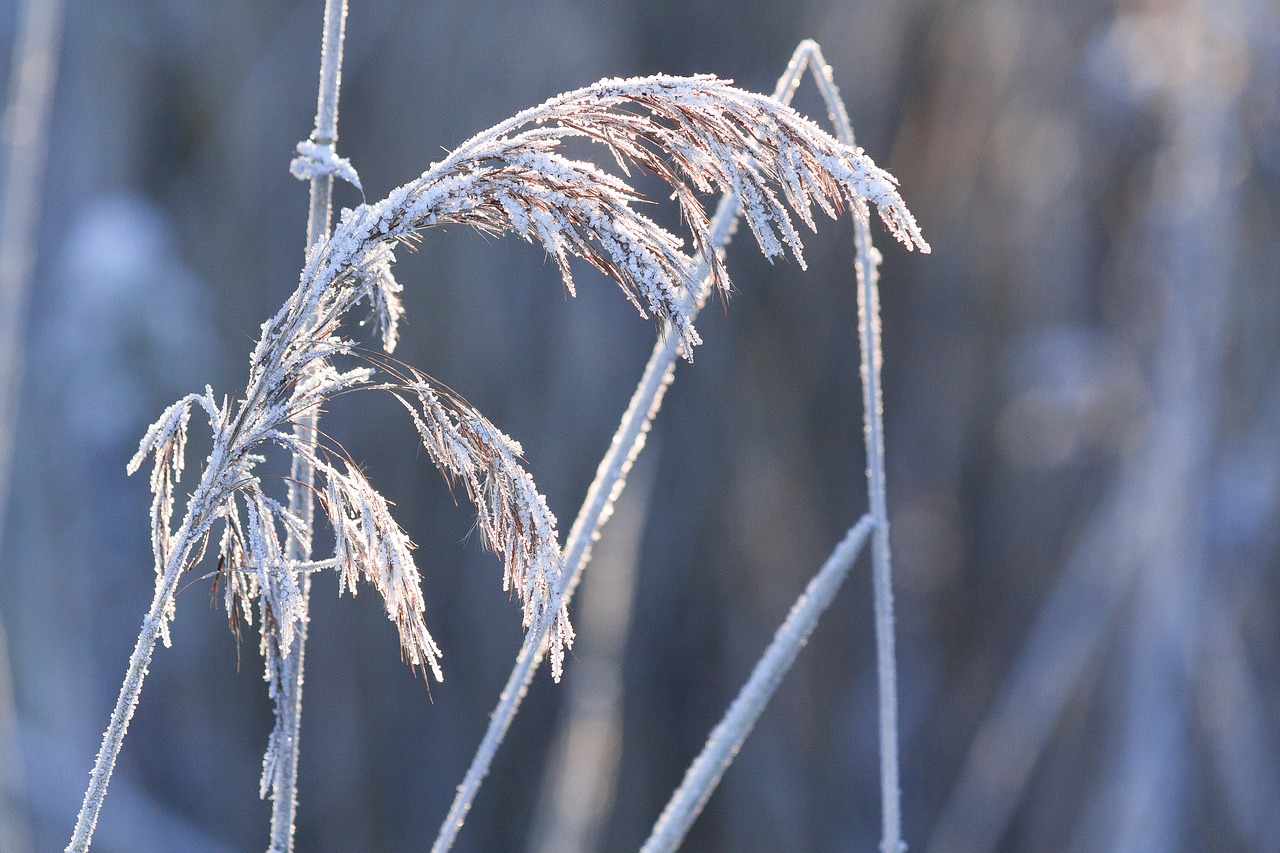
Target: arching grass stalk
{"points": [[628, 441]]}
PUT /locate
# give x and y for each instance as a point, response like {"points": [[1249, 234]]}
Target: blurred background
{"points": [[1082, 394]]}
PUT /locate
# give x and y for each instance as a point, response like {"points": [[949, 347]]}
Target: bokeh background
{"points": [[1082, 389]]}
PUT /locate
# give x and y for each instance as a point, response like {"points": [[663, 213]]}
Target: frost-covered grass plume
{"points": [[698, 134]]}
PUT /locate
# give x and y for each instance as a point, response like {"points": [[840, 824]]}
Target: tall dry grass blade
{"points": [[626, 445]]}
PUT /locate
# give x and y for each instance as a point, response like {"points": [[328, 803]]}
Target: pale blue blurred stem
{"points": [[1146, 541], [26, 122], [726, 739], [582, 776]]}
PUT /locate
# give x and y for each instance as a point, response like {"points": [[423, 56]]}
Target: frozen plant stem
{"points": [[881, 569], [197, 522], [284, 778], [629, 440], [704, 774], [867, 266]]}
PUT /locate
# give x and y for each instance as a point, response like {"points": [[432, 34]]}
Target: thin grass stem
{"points": [[199, 518], [866, 265], [610, 480], [726, 739]]}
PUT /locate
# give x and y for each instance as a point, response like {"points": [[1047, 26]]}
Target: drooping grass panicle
{"points": [[698, 134], [513, 517]]}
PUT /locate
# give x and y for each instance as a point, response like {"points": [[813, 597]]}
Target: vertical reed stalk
{"points": [[881, 569], [26, 126], [284, 785]]}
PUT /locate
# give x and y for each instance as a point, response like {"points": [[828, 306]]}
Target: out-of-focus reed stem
{"points": [[627, 443], [22, 157]]}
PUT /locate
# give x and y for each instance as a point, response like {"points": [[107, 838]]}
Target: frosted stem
{"points": [[284, 787], [195, 524], [608, 484], [881, 569], [726, 739], [867, 267]]}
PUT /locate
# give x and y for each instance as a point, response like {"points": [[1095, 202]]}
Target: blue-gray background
{"points": [[1082, 392]]}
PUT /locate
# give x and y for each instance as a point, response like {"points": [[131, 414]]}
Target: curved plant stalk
{"points": [[704, 774], [627, 443], [726, 739], [698, 134], [282, 774]]}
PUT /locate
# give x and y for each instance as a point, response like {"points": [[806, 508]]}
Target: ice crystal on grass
{"points": [[315, 160]]}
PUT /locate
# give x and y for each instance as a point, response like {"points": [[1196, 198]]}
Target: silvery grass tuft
{"points": [[698, 134]]}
